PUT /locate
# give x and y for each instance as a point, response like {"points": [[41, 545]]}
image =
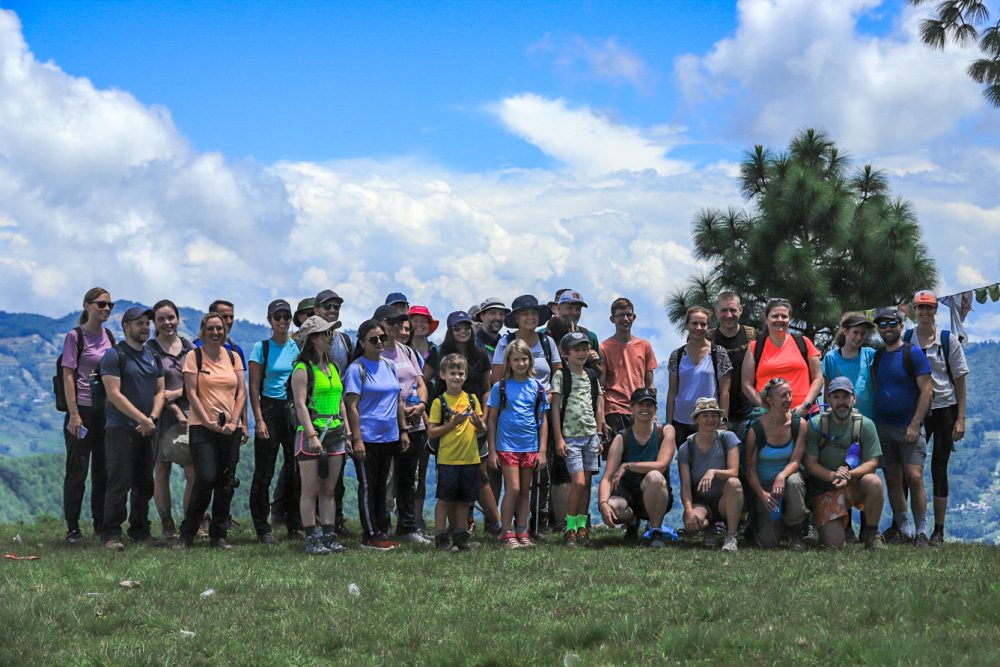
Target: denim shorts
{"points": [[583, 454]]}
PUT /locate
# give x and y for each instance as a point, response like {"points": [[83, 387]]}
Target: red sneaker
{"points": [[508, 540], [525, 540]]}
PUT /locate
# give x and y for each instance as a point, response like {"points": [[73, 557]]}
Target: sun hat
{"points": [[314, 325], [703, 405], [488, 303], [304, 305], [526, 302], [423, 310]]}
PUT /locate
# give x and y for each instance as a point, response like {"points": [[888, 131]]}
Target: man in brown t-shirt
{"points": [[629, 363]]}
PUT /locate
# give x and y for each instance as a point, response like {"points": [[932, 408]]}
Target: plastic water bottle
{"points": [[776, 512], [412, 399], [853, 458]]}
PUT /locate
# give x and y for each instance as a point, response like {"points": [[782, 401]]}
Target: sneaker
{"points": [[873, 540], [730, 544], [508, 540], [921, 541], [168, 529], [184, 541], [379, 543], [937, 538], [810, 536], [114, 544], [797, 544], [525, 540], [569, 538], [268, 538], [220, 543], [297, 535], [656, 540], [494, 530], [894, 535], [441, 541], [314, 545], [75, 537], [583, 537], [331, 542], [415, 538]]}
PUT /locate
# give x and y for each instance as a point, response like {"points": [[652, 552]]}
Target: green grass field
{"points": [[549, 606]]}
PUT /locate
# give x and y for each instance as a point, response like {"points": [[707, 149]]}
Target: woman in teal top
{"points": [[321, 435], [850, 359], [775, 443]]}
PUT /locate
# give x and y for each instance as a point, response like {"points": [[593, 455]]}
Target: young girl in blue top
{"points": [[850, 359], [516, 435]]}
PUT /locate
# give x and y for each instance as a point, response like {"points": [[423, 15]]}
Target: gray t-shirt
{"points": [[714, 458], [139, 384], [944, 392], [542, 371]]}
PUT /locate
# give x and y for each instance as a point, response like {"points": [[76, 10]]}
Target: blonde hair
{"points": [[520, 346], [770, 387], [204, 323]]}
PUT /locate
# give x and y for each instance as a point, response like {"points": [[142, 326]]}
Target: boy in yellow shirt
{"points": [[456, 418]]}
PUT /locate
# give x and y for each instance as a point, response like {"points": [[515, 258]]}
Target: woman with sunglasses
{"points": [[377, 424], [413, 390], [83, 428], [213, 383], [779, 353], [459, 339], [271, 362]]}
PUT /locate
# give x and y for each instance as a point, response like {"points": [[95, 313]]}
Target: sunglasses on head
{"points": [[110, 305], [886, 324], [375, 340]]}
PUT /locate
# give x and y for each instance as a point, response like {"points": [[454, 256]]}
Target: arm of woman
{"points": [[732, 461], [684, 472], [543, 432], [749, 376], [354, 424], [724, 386], [491, 438], [958, 432], [72, 409], [816, 381], [259, 426]]}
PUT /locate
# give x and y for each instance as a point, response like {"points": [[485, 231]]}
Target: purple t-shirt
{"points": [[409, 367], [94, 347]]}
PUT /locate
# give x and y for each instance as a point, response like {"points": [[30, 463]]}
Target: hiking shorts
{"points": [[583, 454], [458, 483], [897, 451], [712, 504], [523, 460], [334, 442]]}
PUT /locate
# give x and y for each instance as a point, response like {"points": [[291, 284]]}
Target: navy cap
{"points": [[135, 312], [840, 384], [388, 313], [642, 394], [396, 297], [458, 317], [277, 306]]}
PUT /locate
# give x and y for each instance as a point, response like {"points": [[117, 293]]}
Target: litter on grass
{"points": [[571, 660], [17, 539], [13, 556], [187, 634], [207, 593], [353, 590], [128, 584]]}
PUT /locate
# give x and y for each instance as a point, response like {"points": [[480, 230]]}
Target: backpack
{"points": [[446, 414], [758, 351], [98, 394], [58, 388], [758, 430], [693, 447], [945, 350], [749, 333], [715, 352], [824, 428], [545, 341], [539, 395], [908, 365], [567, 387]]}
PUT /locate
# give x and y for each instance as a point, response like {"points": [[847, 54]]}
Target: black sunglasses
{"points": [[110, 305], [283, 316], [375, 340]]}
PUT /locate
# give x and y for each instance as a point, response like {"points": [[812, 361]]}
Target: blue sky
{"points": [[452, 150]]}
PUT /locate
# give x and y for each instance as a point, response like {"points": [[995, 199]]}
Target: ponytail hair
{"points": [[92, 295]]}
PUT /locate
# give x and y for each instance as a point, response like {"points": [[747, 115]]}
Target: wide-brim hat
{"points": [[703, 405], [488, 304], [526, 302], [424, 311], [314, 325]]}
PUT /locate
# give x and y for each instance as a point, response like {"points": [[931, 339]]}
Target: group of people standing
{"points": [[518, 423]]}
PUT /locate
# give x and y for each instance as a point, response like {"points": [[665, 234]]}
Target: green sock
{"points": [[570, 522], [581, 521]]}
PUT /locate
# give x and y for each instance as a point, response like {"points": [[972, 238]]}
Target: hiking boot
{"points": [[220, 543], [441, 541], [730, 544], [415, 538], [937, 538], [296, 535], [810, 536], [797, 544], [921, 541], [460, 542], [331, 542], [379, 543], [508, 540], [569, 538], [168, 530], [583, 537], [184, 541], [75, 537], [894, 535], [314, 545], [114, 544], [268, 538], [873, 540], [525, 540]]}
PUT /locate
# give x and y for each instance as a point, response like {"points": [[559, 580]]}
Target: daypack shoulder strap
{"points": [[946, 351], [265, 349], [857, 419], [908, 361], [758, 349], [800, 342], [198, 358]]}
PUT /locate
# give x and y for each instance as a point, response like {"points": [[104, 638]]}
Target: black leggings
{"points": [[940, 425]]}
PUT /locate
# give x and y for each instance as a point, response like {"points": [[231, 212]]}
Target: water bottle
{"points": [[853, 458], [776, 511], [412, 399]]}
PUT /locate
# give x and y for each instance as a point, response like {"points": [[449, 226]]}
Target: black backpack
{"points": [[761, 437], [945, 349], [58, 389], [567, 387], [714, 352]]}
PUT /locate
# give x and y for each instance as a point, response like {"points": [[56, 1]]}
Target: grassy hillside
{"points": [[550, 605]]}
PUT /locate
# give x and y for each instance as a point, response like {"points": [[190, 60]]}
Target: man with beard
{"points": [[491, 313], [903, 390], [842, 456]]}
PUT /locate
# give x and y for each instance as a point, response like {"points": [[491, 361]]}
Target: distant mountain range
{"points": [[30, 425]]}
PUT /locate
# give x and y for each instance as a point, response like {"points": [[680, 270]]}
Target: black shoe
{"points": [[220, 543], [937, 538], [849, 536], [441, 541], [297, 535], [920, 540], [894, 535], [75, 537], [184, 542], [268, 538], [632, 533]]}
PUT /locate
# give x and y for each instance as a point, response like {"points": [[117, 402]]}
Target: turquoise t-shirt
{"points": [[280, 360], [772, 459], [859, 371]]}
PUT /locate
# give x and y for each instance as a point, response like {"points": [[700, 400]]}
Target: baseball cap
{"points": [[458, 317], [570, 296], [326, 295], [925, 297], [642, 394], [572, 339], [135, 312], [491, 302], [888, 313], [277, 306], [840, 384], [396, 297], [387, 312], [856, 321]]}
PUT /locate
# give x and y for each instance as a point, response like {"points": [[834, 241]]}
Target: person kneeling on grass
{"points": [[575, 419], [635, 485], [456, 418], [709, 466], [842, 456]]}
